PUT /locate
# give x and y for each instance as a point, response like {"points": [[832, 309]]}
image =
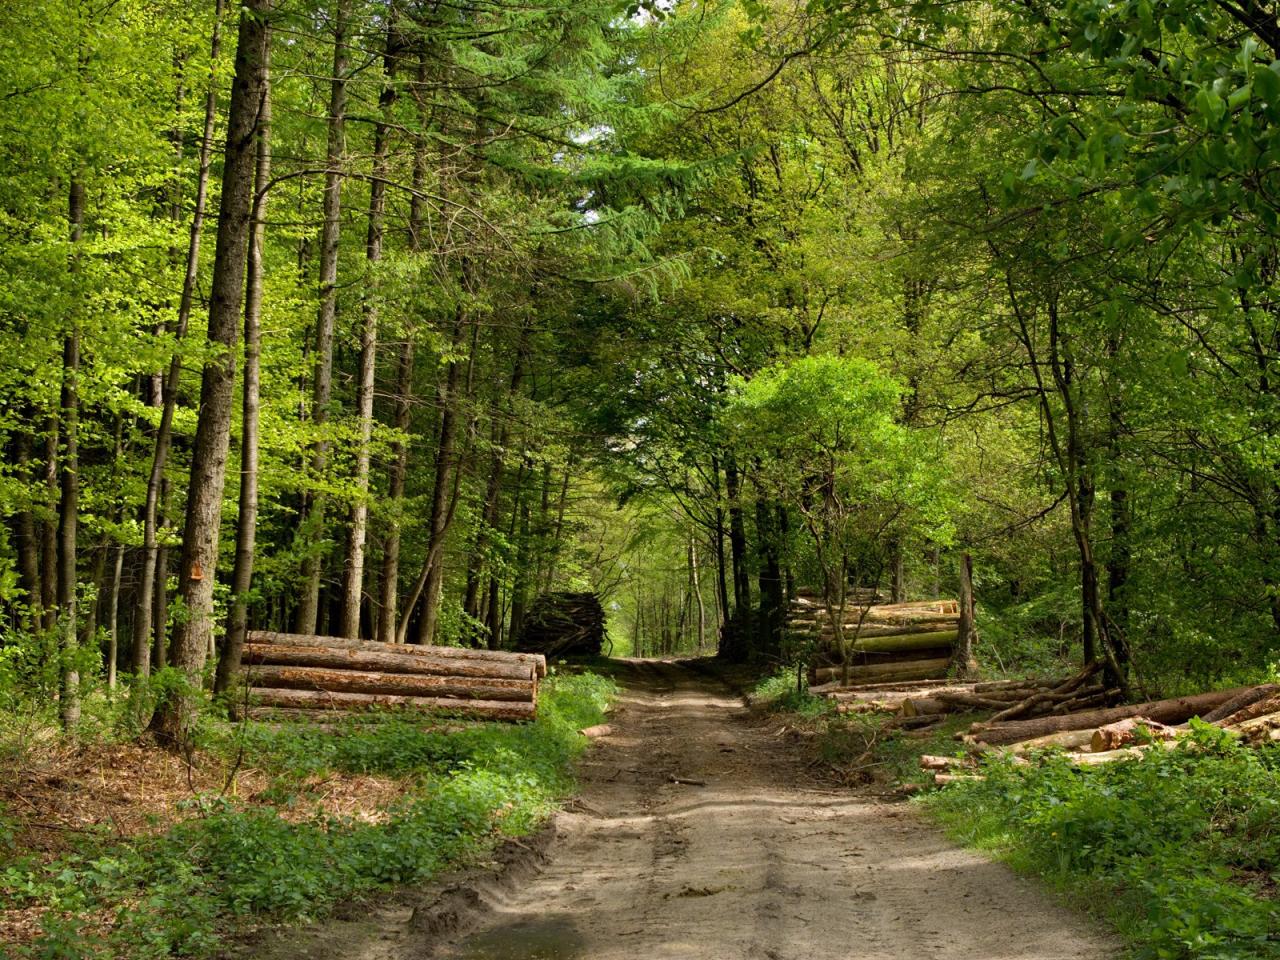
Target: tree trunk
{"points": [[26, 541], [389, 582], [148, 580], [696, 584], [739, 624], [213, 432], [69, 498], [49, 527], [113, 619], [322, 387], [441, 515], [353, 580], [963, 662], [251, 400]]}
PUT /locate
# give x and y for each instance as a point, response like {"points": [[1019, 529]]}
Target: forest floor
{"points": [[700, 833]]}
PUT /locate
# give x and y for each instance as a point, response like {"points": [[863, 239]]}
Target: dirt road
{"points": [[753, 864]]}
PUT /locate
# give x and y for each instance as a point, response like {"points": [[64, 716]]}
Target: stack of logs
{"points": [[1077, 714], [1092, 737], [888, 642], [563, 624], [298, 675]]}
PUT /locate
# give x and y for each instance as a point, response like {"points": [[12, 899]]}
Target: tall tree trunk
{"points": [[322, 386], [26, 542], [148, 582], [69, 499], [113, 619], [251, 401], [498, 435], [353, 581], [213, 432], [49, 526], [160, 596], [389, 582], [440, 516]]}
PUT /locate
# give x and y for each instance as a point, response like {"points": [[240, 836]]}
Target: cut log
{"points": [[942, 779], [903, 686], [925, 707], [391, 660], [914, 670], [1260, 709], [929, 762], [327, 700], [599, 730], [1260, 729], [878, 629], [1037, 698], [461, 653], [831, 658], [1127, 731], [361, 681], [1246, 699], [1066, 740], [1174, 710]]}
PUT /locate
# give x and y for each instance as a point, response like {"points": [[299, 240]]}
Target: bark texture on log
{"points": [[911, 670], [409, 685], [538, 661], [385, 661], [1174, 710], [325, 700]]}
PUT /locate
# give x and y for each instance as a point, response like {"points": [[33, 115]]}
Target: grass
{"points": [[1180, 850], [301, 840]]}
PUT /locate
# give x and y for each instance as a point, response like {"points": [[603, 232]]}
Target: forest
{"points": [[381, 319]]}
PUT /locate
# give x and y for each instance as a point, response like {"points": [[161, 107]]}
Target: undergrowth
{"points": [[1181, 849], [179, 893]]}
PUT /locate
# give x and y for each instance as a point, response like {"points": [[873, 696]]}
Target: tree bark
{"points": [[396, 659], [213, 432], [1175, 710], [440, 516], [113, 618], [148, 581], [69, 496], [389, 582], [358, 529], [26, 541], [251, 400], [963, 662], [324, 700], [322, 387]]}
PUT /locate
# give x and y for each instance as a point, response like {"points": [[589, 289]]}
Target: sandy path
{"points": [[754, 864]]}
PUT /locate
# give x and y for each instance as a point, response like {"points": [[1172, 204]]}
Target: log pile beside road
{"points": [[300, 675], [887, 642], [563, 624]]}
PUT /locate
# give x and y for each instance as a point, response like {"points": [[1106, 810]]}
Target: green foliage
{"points": [[178, 892], [1179, 848], [786, 692]]}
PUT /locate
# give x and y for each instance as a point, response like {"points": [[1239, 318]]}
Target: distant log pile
{"points": [[299, 675], [563, 624], [888, 642]]}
